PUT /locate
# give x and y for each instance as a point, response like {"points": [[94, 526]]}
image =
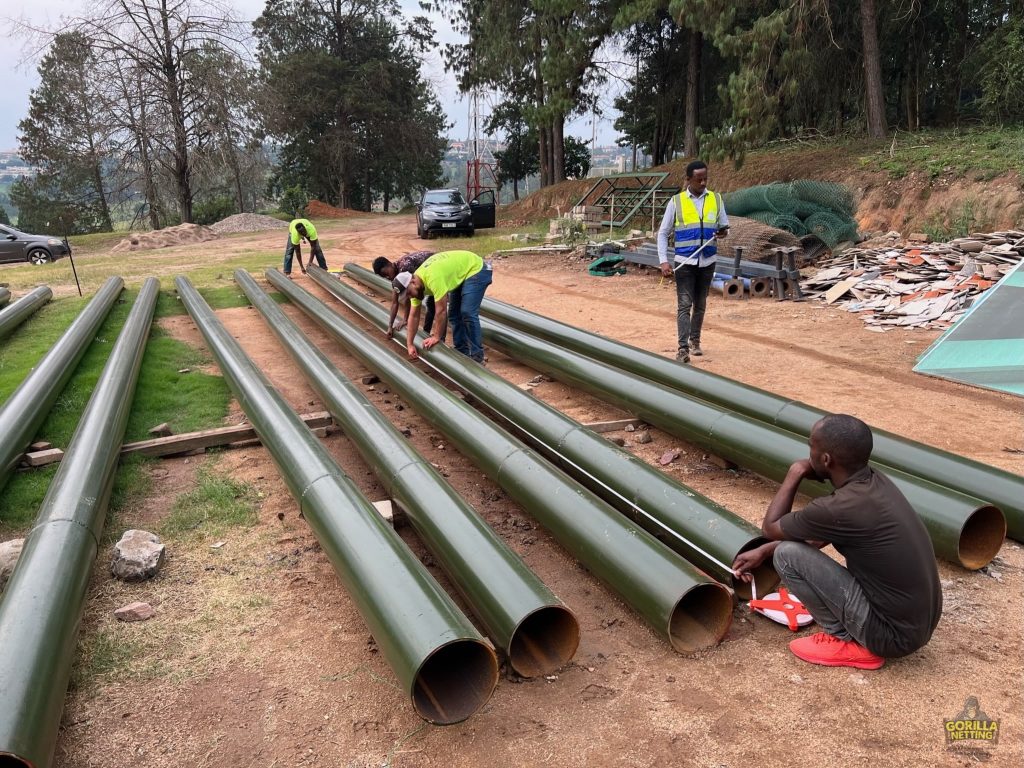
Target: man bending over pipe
{"points": [[457, 280], [887, 600], [389, 270]]}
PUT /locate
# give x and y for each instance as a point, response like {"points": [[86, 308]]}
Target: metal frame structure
{"points": [[629, 193]]}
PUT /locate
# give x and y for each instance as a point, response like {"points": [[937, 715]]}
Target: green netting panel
{"points": [[834, 197], [790, 223], [765, 217], [832, 229]]}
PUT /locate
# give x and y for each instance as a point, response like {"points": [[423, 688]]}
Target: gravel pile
{"points": [[247, 222]]}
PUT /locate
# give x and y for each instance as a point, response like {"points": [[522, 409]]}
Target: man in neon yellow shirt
{"points": [[457, 280], [299, 230]]}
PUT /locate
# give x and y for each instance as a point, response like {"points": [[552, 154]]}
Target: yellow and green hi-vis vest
{"points": [[693, 229]]}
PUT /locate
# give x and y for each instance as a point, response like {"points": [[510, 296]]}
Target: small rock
{"points": [[631, 427], [407, 432], [919, 237], [399, 407], [218, 545], [858, 679], [644, 437], [135, 612], [371, 379], [617, 440], [668, 457], [10, 551], [137, 556], [796, 679], [184, 370], [670, 679], [995, 574], [161, 430], [946, 583], [537, 379]]}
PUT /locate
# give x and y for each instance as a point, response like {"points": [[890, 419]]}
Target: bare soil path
{"points": [[258, 658]]}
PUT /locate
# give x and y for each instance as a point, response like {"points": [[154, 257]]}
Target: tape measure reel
{"points": [[782, 607]]}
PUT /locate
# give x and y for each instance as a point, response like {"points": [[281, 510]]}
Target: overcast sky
{"points": [[19, 76]]}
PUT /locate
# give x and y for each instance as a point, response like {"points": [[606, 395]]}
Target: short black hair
{"points": [[379, 263], [300, 228], [846, 438], [693, 167]]}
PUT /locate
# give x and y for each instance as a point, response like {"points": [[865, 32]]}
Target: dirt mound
{"points": [[318, 210], [247, 222], [165, 238], [545, 203]]}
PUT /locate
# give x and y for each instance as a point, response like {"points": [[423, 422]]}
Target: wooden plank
{"points": [[44, 457], [613, 426], [168, 446]]}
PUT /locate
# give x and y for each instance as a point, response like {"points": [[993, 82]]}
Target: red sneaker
{"points": [[830, 651]]}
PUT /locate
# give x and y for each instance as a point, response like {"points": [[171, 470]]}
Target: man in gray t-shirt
{"points": [[887, 601]]}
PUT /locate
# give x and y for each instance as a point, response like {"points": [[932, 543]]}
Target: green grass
{"points": [[957, 222], [104, 653], [97, 241], [486, 244], [977, 155], [188, 401], [214, 505]]}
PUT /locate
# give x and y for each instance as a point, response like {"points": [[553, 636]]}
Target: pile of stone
{"points": [[247, 222], [919, 284]]}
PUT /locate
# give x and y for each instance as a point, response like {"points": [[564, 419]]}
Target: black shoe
{"points": [[682, 356], [695, 349]]}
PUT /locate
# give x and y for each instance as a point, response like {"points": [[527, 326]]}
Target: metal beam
{"points": [[15, 314], [678, 601], [42, 606], [1002, 488], [445, 666], [25, 410], [536, 631], [705, 533]]}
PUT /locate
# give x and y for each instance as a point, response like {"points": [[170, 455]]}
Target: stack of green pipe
{"points": [[445, 666], [25, 410], [1001, 488], [42, 606], [537, 632], [684, 605], [705, 533], [15, 314]]}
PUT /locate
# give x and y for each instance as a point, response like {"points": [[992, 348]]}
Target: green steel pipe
{"points": [[42, 606], [1002, 488], [705, 533], [15, 314], [536, 631], [445, 666], [5, 297], [25, 410], [682, 604], [963, 529]]}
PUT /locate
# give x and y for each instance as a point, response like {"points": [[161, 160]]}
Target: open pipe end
{"points": [[732, 289], [701, 618], [981, 537], [8, 760], [454, 682], [765, 577], [758, 287], [544, 641]]}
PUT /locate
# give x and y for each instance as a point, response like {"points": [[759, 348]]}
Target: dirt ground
{"points": [[257, 656]]}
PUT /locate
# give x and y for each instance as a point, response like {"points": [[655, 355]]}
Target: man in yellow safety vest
{"points": [[695, 218]]}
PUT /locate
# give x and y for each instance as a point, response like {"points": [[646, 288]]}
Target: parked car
{"points": [[17, 246], [446, 210]]}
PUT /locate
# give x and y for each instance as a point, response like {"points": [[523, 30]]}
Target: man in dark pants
{"points": [[887, 601], [692, 218], [389, 270], [299, 230]]}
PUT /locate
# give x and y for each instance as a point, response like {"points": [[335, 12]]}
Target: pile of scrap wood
{"points": [[919, 285]]}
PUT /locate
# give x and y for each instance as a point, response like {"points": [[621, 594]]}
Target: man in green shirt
{"points": [[457, 280], [299, 230]]}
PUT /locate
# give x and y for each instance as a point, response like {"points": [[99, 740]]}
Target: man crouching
{"points": [[887, 601]]}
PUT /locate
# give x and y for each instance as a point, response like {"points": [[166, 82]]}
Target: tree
{"points": [[160, 41], [873, 71], [355, 118], [4, 218], [537, 52], [520, 157], [64, 134], [577, 158]]}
